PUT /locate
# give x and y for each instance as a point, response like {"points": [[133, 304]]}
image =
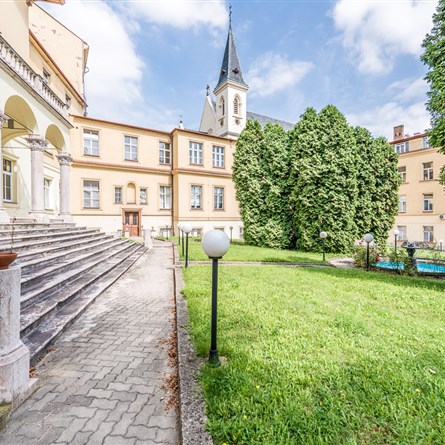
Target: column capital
{"points": [[65, 159], [37, 142], [3, 118]]}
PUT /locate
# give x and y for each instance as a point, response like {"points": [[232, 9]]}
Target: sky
{"points": [[150, 60]]}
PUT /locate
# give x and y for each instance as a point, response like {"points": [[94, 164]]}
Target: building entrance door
{"points": [[132, 222]]}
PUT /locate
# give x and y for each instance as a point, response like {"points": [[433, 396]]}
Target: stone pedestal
{"points": [[65, 161], [15, 384], [147, 239]]}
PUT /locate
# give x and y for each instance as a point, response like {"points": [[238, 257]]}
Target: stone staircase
{"points": [[64, 268]]}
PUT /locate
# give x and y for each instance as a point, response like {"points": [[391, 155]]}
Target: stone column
{"points": [[37, 144], [14, 355], [4, 217], [65, 161]]}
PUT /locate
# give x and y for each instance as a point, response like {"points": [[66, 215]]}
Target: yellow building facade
{"points": [[421, 214]]}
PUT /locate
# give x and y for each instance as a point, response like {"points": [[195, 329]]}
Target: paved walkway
{"points": [[104, 382]]}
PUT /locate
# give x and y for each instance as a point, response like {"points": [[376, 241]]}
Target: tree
{"points": [[433, 56]]}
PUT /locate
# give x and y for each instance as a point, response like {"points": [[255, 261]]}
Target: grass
{"points": [[242, 252], [321, 356]]}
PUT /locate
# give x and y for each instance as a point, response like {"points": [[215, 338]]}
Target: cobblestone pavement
{"points": [[103, 383]]}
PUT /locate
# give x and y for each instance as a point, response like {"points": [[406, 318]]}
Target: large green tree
{"points": [[434, 57]]}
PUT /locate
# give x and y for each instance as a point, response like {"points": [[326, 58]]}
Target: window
{"points": [[195, 153], [7, 180], [165, 197], [90, 143], [428, 203], [67, 100], [143, 195], [118, 195], [218, 156], [91, 194], [402, 204], [428, 234], [223, 106], [46, 76], [131, 148], [241, 233], [402, 147], [197, 231], [236, 106], [218, 198], [402, 233], [46, 190], [196, 197], [427, 171], [164, 153], [402, 173], [426, 142]]}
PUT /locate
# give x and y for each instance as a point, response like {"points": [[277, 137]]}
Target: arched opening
{"points": [[131, 193], [223, 106], [237, 106], [22, 120], [55, 137]]}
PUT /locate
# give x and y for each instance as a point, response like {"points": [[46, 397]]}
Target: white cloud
{"points": [[272, 73], [377, 32], [115, 69], [381, 120], [409, 89], [184, 14]]}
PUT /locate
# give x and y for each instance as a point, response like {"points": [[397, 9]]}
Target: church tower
{"points": [[227, 115]]}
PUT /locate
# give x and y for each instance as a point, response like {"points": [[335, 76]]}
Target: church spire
{"points": [[230, 68]]}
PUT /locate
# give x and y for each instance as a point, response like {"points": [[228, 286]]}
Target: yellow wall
{"points": [[14, 25]]}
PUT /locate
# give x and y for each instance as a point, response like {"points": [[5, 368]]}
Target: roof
{"points": [[263, 120], [230, 68]]}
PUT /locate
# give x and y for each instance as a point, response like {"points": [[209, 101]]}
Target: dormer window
{"points": [[235, 71]]}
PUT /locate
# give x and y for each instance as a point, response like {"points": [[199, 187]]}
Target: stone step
{"points": [[21, 232], [59, 255], [31, 225], [31, 279], [45, 333], [34, 294], [47, 250], [20, 246]]}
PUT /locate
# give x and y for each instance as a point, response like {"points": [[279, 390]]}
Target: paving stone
{"points": [[68, 434], [141, 432], [95, 422], [97, 438], [104, 404], [116, 414], [82, 412], [119, 440], [125, 421]]}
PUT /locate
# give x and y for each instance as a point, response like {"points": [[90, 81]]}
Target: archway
{"points": [[23, 121]]}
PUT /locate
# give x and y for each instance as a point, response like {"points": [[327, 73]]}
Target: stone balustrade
{"points": [[15, 62]]}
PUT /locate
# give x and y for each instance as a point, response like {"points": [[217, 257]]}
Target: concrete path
{"points": [[106, 381]]}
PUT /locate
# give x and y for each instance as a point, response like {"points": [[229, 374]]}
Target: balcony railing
{"points": [[34, 80]]}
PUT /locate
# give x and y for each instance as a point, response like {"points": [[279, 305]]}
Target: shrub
{"points": [[359, 254]]}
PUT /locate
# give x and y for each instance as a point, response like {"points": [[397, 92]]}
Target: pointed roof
{"points": [[230, 68]]}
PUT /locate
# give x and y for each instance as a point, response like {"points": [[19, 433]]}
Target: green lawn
{"points": [[322, 356], [242, 252]]}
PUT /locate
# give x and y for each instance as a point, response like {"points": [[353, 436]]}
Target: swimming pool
{"points": [[421, 267]]}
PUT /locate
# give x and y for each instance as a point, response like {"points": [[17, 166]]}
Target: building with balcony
{"points": [[421, 214], [41, 83]]}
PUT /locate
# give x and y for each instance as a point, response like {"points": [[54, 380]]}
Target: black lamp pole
{"points": [[213, 355], [182, 242], [324, 251], [186, 250], [231, 229], [395, 245], [179, 236], [367, 255]]}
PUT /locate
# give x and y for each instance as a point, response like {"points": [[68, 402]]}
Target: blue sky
{"points": [[150, 61]]}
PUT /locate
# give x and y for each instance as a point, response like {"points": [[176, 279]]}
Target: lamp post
{"points": [[323, 236], [186, 228], [179, 233], [440, 244], [396, 234], [231, 229], [215, 244], [368, 238]]}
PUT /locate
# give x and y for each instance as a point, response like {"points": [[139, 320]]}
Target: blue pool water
{"points": [[421, 267]]}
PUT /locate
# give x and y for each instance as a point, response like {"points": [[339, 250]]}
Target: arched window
{"points": [[223, 106], [131, 193], [236, 106]]}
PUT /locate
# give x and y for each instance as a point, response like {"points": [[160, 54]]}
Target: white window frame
{"points": [[218, 156], [402, 233], [131, 148], [143, 201], [426, 142], [91, 194], [218, 198], [401, 147], [241, 233], [428, 202], [90, 143], [427, 171], [402, 173], [402, 203], [164, 153], [8, 176], [47, 193], [428, 234], [118, 191], [165, 197], [195, 153], [196, 197]]}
